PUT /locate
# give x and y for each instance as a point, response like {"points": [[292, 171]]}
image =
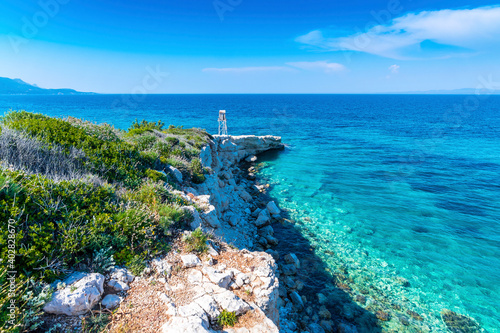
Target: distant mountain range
{"points": [[19, 87]]}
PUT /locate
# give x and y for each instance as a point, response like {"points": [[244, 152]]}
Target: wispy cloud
{"points": [[394, 69], [322, 66], [325, 66], [248, 69], [437, 34]]}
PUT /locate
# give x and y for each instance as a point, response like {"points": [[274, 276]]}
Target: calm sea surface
{"points": [[386, 188]]}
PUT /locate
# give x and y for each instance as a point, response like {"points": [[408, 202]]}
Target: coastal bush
{"points": [[196, 169], [137, 265], [102, 261], [83, 196], [24, 153], [150, 125], [172, 214], [95, 322], [227, 318], [197, 241], [145, 142], [115, 161], [156, 176]]}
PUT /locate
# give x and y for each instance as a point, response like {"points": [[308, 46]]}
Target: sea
{"points": [[395, 196]]}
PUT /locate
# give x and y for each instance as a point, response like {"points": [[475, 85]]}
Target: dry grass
{"points": [[142, 311], [20, 152]]}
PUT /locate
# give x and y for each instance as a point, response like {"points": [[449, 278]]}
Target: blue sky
{"points": [[243, 46]]}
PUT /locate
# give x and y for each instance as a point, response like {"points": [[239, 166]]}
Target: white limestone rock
{"points": [[77, 298], [222, 279], [227, 300], [111, 301], [122, 274], [209, 305], [177, 174], [190, 260], [210, 218], [192, 324], [118, 285]]}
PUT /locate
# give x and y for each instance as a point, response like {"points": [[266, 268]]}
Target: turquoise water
{"points": [[385, 187]]}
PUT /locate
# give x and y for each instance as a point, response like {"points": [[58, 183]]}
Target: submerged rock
{"points": [[457, 323]]}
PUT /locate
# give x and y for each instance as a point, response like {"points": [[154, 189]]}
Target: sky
{"points": [[251, 46]]}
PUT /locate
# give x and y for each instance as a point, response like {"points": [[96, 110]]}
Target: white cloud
{"points": [[247, 69], [325, 66], [438, 34], [394, 69]]}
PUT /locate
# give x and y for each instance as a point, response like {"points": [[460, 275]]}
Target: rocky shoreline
{"points": [[246, 270]]}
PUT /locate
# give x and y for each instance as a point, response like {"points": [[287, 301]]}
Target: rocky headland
{"points": [[187, 291]]}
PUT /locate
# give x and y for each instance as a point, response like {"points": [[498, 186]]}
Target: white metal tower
{"points": [[222, 123]]}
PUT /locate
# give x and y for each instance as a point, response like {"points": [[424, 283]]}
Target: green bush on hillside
{"points": [[103, 201]]}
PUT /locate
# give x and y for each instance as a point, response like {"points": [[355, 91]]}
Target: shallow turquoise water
{"points": [[395, 186]]}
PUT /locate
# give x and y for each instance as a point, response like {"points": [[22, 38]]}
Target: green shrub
{"points": [[227, 318], [145, 142], [137, 265], [156, 175], [150, 125], [30, 297], [171, 214], [197, 175], [197, 241], [172, 141], [115, 161], [95, 322], [103, 261]]}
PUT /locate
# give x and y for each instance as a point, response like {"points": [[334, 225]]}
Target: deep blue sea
{"points": [[384, 187]]}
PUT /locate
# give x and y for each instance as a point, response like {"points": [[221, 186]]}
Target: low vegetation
{"points": [[196, 242], [227, 319], [87, 197]]}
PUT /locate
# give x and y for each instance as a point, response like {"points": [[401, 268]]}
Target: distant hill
{"points": [[463, 91], [19, 87]]}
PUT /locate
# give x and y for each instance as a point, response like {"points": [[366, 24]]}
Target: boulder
{"points": [[289, 269], [296, 300], [272, 208], [162, 267], [458, 323], [111, 301], [291, 258], [263, 218], [251, 158], [209, 305], [77, 298], [227, 300], [118, 285], [210, 218], [192, 324], [122, 274], [315, 328], [177, 174], [190, 260], [222, 279]]}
